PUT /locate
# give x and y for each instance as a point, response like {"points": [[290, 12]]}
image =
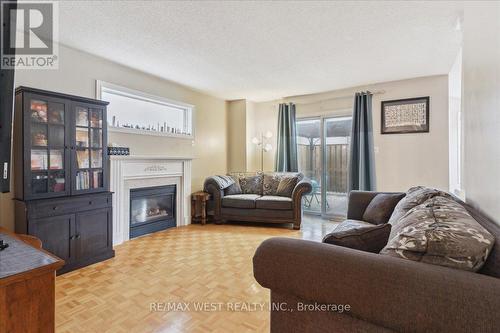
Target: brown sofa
{"points": [[385, 294], [256, 207]]}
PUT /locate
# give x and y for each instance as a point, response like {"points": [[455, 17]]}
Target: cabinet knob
{"points": [[77, 236], [90, 202], [55, 208]]}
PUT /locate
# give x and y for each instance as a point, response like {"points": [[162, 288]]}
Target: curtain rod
{"points": [[376, 92]]}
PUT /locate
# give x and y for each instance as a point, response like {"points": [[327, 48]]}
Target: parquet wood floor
{"points": [[192, 264]]}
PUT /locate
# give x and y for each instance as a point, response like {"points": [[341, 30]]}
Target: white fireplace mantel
{"points": [[136, 171]]}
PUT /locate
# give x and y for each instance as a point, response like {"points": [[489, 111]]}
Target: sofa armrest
{"points": [[399, 294], [359, 200], [303, 187], [217, 193]]}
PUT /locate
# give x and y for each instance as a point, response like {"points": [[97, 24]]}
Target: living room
{"points": [[220, 176]]}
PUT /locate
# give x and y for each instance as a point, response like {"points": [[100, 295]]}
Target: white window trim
{"points": [[117, 89]]}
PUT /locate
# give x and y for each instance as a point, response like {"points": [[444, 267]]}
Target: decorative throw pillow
{"points": [[286, 186], [271, 182], [414, 196], [379, 210], [363, 237], [233, 189], [441, 232], [251, 184]]}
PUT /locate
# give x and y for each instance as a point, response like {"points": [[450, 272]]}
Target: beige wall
{"points": [[77, 74], [242, 128], [481, 106], [402, 160], [236, 135]]}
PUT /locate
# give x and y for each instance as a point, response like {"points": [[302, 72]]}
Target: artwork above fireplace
{"points": [[152, 209]]}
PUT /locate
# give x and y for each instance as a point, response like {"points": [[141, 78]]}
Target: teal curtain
{"points": [[286, 150], [362, 160]]}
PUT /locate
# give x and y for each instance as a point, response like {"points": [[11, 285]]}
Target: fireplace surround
{"points": [[136, 172]]}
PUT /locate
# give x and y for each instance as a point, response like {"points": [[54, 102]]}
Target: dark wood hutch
{"points": [[61, 175]]}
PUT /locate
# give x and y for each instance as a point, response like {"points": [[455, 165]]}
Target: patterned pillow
{"points": [[414, 196], [441, 232], [286, 186], [271, 182], [251, 184]]}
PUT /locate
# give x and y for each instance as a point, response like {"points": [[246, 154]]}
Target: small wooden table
{"points": [[27, 285], [199, 207]]}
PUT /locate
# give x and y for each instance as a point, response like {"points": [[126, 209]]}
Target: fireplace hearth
{"points": [[152, 209]]}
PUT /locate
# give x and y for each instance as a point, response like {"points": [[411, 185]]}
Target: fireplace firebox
{"points": [[152, 209]]}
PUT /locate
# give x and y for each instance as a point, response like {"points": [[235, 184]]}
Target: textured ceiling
{"points": [[268, 50]]}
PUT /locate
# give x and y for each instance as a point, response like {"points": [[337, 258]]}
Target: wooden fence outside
{"points": [[337, 159]]}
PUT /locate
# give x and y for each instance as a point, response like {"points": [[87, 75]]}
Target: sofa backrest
{"points": [[492, 264], [239, 175]]}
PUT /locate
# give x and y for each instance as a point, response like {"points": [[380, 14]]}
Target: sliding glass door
{"points": [[323, 153], [309, 156]]}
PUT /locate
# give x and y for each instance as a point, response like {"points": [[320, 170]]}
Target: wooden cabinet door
{"points": [[89, 149], [56, 234], [46, 147], [93, 232]]}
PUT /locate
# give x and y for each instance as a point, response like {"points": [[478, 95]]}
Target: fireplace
{"points": [[152, 209]]}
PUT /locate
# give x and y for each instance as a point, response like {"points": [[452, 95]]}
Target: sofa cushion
{"points": [[240, 200], [263, 215], [286, 186], [359, 235], [271, 182], [251, 184], [273, 202], [380, 209], [414, 196], [441, 232], [234, 188]]}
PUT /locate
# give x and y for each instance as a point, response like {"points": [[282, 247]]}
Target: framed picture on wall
{"points": [[409, 115]]}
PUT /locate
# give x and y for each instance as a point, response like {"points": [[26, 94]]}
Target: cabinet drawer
{"points": [[54, 207]]}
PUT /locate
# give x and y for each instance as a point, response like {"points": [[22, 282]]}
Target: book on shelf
{"points": [[56, 159], [82, 180], [38, 160], [96, 175]]}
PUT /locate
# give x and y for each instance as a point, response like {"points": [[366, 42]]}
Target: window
{"points": [[137, 112]]}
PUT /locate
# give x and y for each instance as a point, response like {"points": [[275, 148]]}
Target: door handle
{"points": [[77, 236]]}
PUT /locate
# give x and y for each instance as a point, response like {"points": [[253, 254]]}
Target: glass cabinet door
{"points": [[89, 148], [46, 124]]}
